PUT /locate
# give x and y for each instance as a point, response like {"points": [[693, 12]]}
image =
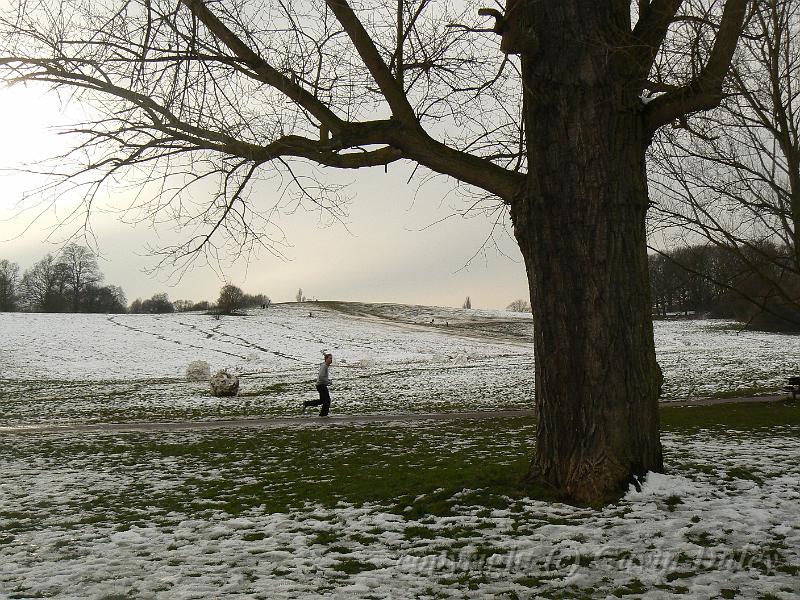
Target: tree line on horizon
{"points": [[754, 285], [231, 299], [71, 282], [695, 280]]}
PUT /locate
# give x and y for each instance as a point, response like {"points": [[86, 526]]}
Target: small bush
{"points": [[231, 299]]}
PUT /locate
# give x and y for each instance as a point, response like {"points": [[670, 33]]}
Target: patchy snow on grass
{"points": [[724, 522]]}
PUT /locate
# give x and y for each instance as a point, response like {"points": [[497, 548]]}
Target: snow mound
{"points": [[659, 484], [198, 370]]}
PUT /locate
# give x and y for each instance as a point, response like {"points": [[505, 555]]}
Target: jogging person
{"points": [[323, 381]]}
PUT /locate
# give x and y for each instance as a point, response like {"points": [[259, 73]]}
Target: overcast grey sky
{"points": [[385, 254]]}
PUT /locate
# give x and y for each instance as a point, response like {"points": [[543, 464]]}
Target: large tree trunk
{"points": [[581, 228]]}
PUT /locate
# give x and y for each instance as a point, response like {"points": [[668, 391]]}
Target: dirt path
{"points": [[737, 400], [315, 421], [268, 422]]}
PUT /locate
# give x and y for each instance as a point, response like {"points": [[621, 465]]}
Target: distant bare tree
{"points": [[255, 300], [157, 303], [519, 305], [231, 299], [43, 286], [467, 303], [183, 305], [82, 271], [9, 279], [103, 299]]}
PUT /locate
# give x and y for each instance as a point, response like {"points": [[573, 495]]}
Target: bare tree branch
{"points": [[261, 68], [389, 86], [705, 90], [654, 20]]}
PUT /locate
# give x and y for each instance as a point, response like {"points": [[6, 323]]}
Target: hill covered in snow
{"points": [[387, 357]]}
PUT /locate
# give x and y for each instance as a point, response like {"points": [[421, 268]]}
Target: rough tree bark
{"points": [[580, 224], [581, 229]]}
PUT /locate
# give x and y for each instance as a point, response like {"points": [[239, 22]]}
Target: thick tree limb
{"points": [[463, 166], [390, 88], [406, 141], [326, 152], [650, 32], [321, 153], [705, 90], [398, 141], [151, 127]]}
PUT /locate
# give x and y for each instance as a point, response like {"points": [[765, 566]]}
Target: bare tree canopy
{"points": [[44, 285], [228, 93], [732, 175], [551, 119], [68, 282], [82, 271]]}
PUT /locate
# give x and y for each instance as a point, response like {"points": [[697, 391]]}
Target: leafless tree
{"points": [[732, 175], [43, 286], [80, 265], [103, 299], [231, 299], [550, 119], [156, 304], [519, 305], [9, 280]]}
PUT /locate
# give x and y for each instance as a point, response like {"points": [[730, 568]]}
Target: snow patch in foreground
{"points": [[661, 485]]}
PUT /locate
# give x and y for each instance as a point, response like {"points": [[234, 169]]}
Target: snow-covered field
{"points": [[388, 358], [272, 513]]}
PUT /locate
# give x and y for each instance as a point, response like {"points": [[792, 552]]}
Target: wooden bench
{"points": [[793, 386]]}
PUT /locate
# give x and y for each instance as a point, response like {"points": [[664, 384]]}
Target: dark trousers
{"points": [[324, 400]]}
